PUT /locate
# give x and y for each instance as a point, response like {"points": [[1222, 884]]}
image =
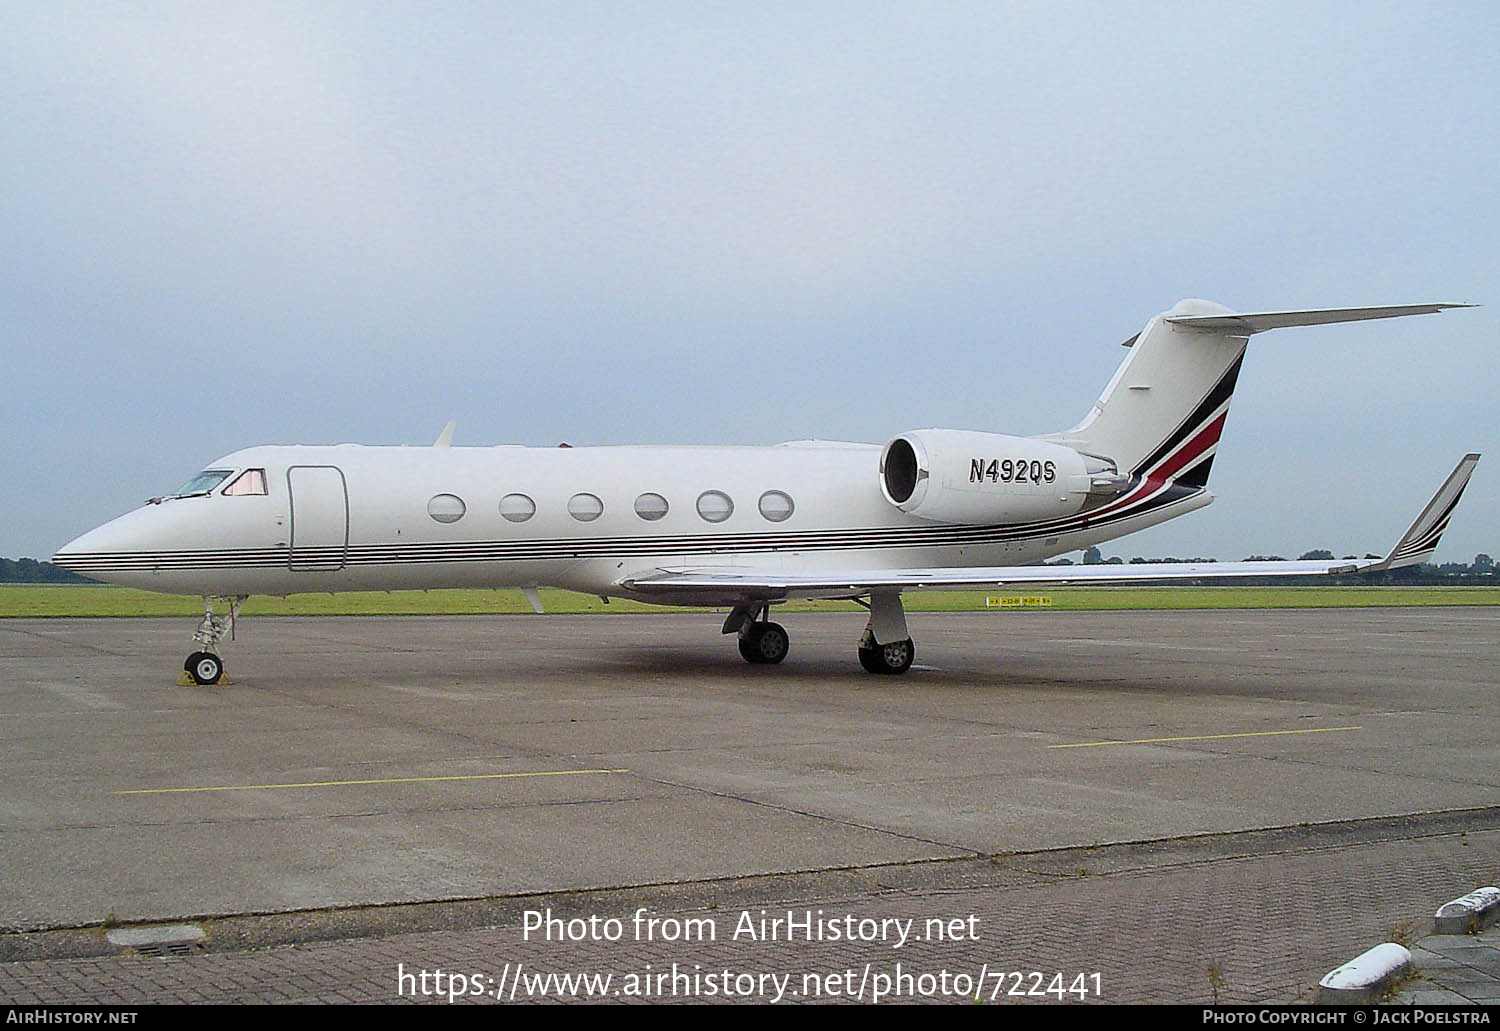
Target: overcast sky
{"points": [[232, 224]]}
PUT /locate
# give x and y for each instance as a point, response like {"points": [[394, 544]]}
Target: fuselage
{"points": [[351, 517]]}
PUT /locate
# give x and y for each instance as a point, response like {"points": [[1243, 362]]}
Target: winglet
{"points": [[446, 437], [1421, 539]]}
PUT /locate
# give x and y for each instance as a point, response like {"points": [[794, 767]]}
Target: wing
{"points": [[1415, 546]]}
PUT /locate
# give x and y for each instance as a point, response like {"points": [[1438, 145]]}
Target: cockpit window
{"points": [[251, 481], [204, 482]]}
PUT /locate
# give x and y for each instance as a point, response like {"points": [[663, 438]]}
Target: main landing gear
{"points": [[204, 666], [894, 658], [761, 641], [885, 647]]}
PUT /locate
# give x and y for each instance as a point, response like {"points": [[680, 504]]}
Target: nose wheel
{"points": [[204, 666]]}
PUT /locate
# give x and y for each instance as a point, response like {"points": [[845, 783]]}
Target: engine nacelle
{"points": [[964, 476]]}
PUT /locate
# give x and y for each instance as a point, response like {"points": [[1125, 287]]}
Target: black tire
{"points": [[764, 643], [773, 643], [748, 650], [889, 659], [205, 668]]}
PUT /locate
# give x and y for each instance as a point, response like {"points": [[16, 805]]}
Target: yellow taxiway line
{"points": [[345, 783], [1206, 737]]}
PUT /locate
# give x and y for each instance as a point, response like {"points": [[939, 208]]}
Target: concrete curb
{"points": [[1366, 977], [1470, 914]]}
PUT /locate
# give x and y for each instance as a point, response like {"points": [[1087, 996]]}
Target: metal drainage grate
{"points": [[169, 948]]}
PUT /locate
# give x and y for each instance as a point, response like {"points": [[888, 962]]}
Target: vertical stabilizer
{"points": [[1161, 416], [1162, 413]]}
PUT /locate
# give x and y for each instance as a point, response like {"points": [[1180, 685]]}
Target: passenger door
{"points": [[320, 517]]}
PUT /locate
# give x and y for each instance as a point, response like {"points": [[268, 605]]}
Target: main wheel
{"points": [[764, 643], [893, 659], [205, 668]]}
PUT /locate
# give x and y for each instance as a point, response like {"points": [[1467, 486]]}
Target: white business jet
{"points": [[736, 527]]}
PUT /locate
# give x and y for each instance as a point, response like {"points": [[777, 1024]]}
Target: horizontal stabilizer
{"points": [[1245, 323]]}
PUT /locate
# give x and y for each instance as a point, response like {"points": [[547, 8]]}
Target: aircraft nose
{"points": [[70, 553], [84, 553], [117, 545], [101, 540]]}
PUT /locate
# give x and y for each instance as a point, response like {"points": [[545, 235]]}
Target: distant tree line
{"points": [[1480, 572], [30, 571]]}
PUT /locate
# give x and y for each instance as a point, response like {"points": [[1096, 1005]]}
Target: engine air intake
{"points": [[900, 470]]}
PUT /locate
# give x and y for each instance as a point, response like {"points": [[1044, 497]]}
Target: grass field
{"points": [[34, 601]]}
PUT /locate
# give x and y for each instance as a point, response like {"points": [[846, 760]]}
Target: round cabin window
{"points": [[585, 507], [651, 507], [517, 508], [776, 506], [446, 508], [715, 506]]}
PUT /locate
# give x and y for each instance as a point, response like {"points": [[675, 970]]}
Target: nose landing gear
{"points": [[204, 667]]}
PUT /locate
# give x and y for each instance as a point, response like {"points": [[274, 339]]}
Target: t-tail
{"points": [[1161, 415]]}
